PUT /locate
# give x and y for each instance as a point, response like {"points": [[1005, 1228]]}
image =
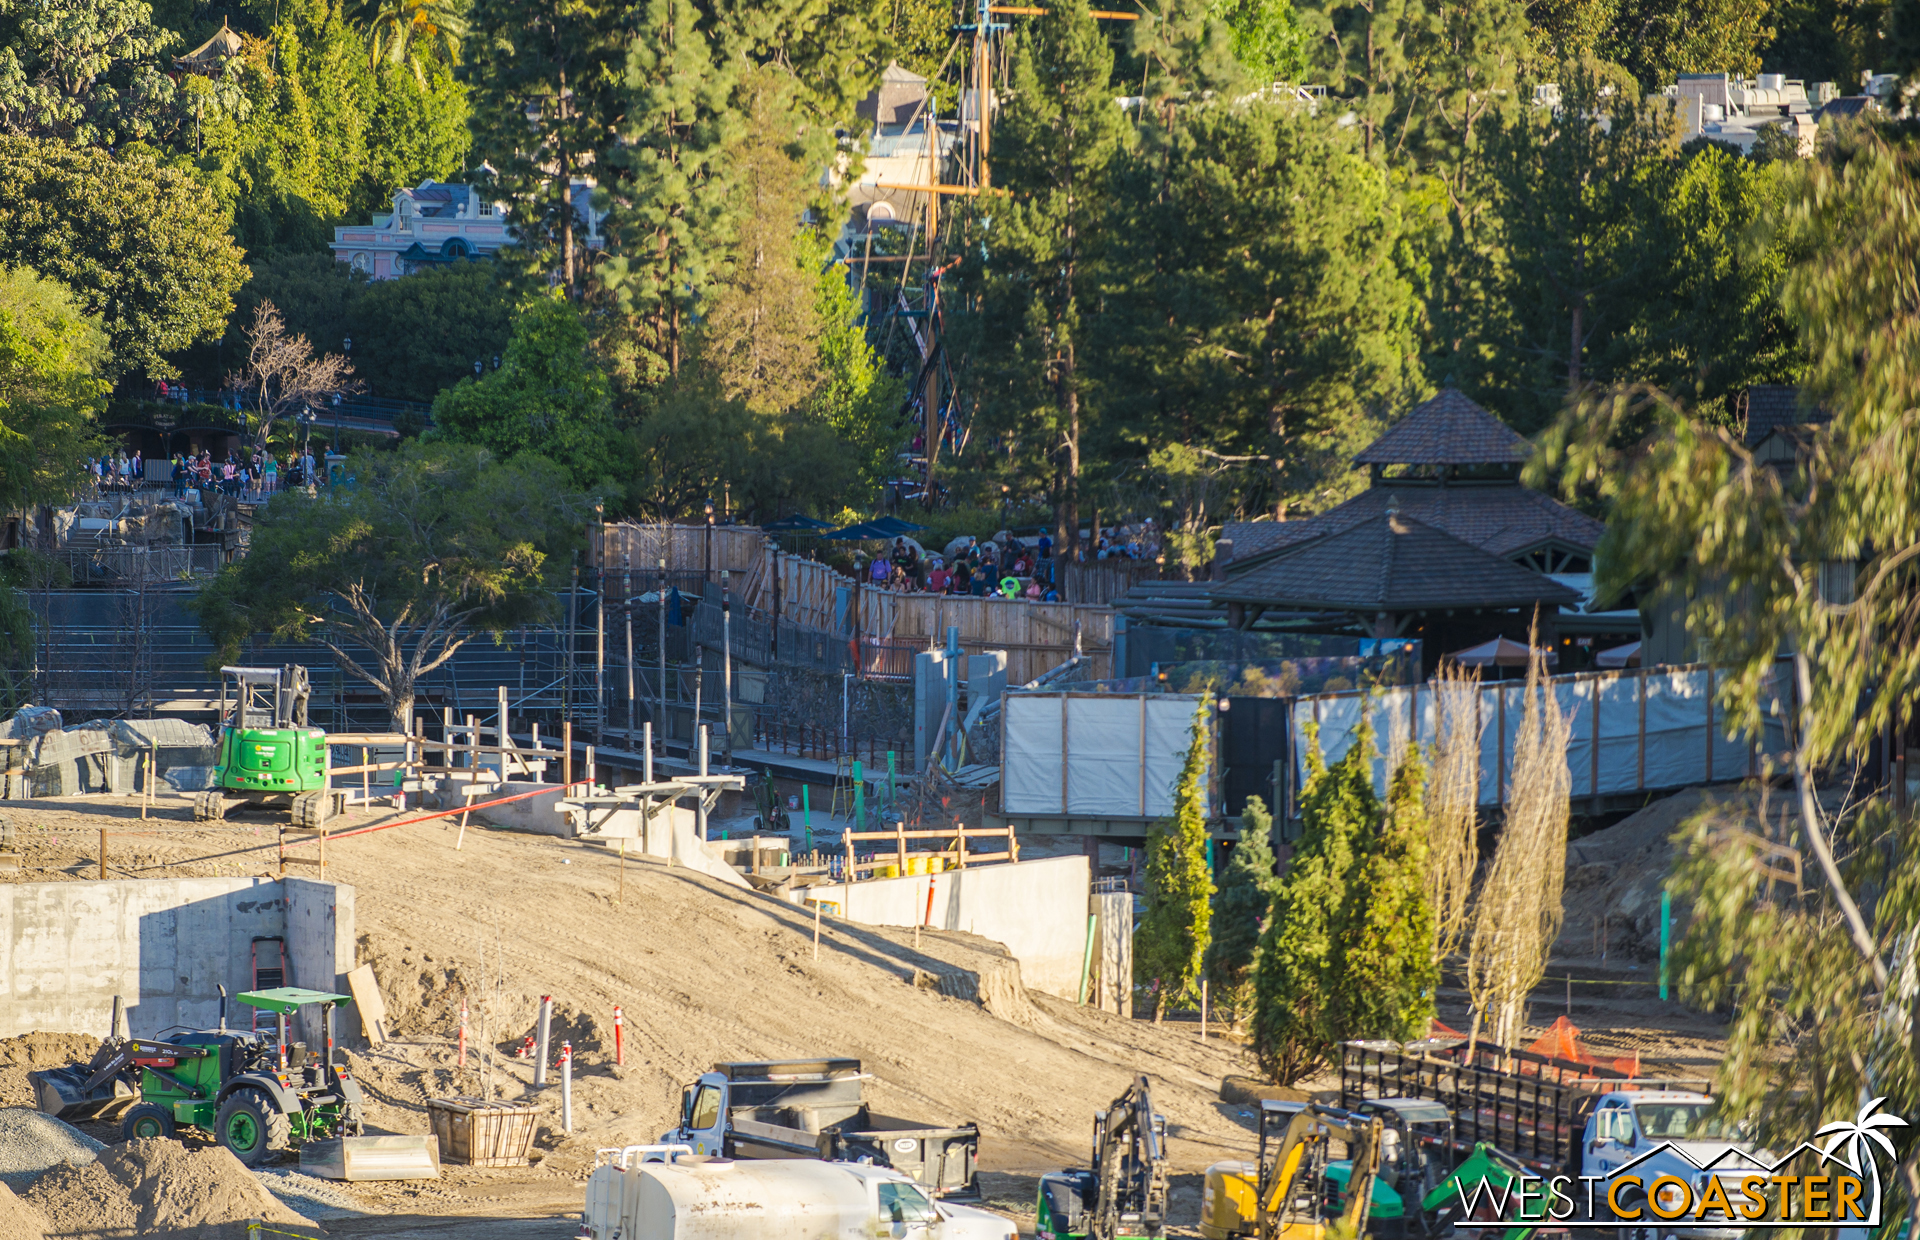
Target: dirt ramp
{"points": [[162, 1190]]}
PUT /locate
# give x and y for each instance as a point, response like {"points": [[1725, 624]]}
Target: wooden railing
{"points": [[900, 835]]}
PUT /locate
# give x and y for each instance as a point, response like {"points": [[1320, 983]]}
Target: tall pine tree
{"points": [[544, 77], [672, 221], [1170, 944], [1028, 274]]}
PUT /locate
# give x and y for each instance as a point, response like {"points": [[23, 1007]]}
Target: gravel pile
{"points": [[315, 1198], [32, 1143]]}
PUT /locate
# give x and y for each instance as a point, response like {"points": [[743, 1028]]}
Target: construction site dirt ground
{"points": [[707, 972]]}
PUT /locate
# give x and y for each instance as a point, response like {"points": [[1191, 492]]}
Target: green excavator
{"points": [[269, 756]]}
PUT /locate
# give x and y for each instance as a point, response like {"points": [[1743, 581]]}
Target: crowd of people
{"points": [[254, 475], [1003, 565]]}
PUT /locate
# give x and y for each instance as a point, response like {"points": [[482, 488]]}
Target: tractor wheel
{"points": [[310, 809], [252, 1127], [210, 806], [146, 1121]]}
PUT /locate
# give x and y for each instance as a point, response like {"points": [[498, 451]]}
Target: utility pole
{"points": [[626, 603], [663, 657], [726, 668], [600, 631]]}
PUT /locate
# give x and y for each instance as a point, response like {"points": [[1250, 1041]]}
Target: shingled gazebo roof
{"points": [[1447, 430], [1392, 564]]}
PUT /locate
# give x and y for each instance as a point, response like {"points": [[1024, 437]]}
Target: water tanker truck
{"points": [[666, 1192]]}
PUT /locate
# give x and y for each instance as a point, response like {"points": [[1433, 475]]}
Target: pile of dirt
{"points": [[33, 1051], [1614, 877], [18, 1220], [160, 1188]]}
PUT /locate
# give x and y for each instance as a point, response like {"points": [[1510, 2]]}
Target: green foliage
{"points": [[139, 245], [430, 546], [543, 79], [412, 338], [1388, 973], [414, 33], [91, 72], [417, 336], [1028, 266], [1253, 306], [319, 133], [1295, 983], [549, 397], [675, 217], [855, 396], [51, 356], [1170, 943], [1630, 211], [1266, 39], [1240, 907], [1347, 948]]}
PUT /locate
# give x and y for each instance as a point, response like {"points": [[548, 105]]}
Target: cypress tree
{"points": [[1240, 908], [1384, 957], [1294, 999], [1170, 945]]}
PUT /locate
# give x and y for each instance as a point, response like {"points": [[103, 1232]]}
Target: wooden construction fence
{"points": [[1037, 637]]}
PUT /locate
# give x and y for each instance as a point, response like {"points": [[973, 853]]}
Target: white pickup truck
{"points": [[1664, 1133], [636, 1193]]}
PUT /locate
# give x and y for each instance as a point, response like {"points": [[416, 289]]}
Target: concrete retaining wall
{"points": [[1038, 909], [164, 946]]}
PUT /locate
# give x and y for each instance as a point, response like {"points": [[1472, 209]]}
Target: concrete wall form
{"points": [[1038, 909], [164, 946]]}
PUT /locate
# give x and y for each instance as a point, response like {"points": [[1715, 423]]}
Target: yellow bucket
{"points": [[887, 871], [936, 864], [916, 865]]}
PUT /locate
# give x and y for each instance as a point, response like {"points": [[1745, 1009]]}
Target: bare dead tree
{"points": [[1520, 907], [1453, 796], [283, 373]]}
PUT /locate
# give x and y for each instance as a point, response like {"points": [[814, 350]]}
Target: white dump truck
{"points": [[653, 1192]]}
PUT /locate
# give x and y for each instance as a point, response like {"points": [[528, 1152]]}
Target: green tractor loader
{"points": [[257, 1096], [268, 754]]}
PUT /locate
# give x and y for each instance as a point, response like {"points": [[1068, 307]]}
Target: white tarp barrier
{"points": [[1654, 728], [1094, 755]]}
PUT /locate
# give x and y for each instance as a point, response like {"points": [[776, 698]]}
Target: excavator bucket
{"points": [[373, 1158], [63, 1094]]}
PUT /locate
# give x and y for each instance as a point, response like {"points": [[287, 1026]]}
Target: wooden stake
{"points": [[103, 854], [1203, 1009], [146, 786], [566, 754], [623, 871], [816, 932]]}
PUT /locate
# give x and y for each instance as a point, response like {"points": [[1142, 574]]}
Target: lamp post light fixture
{"points": [[478, 367], [707, 573]]}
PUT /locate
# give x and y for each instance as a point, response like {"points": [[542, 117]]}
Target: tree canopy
{"points": [[142, 246], [427, 547], [51, 356]]}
